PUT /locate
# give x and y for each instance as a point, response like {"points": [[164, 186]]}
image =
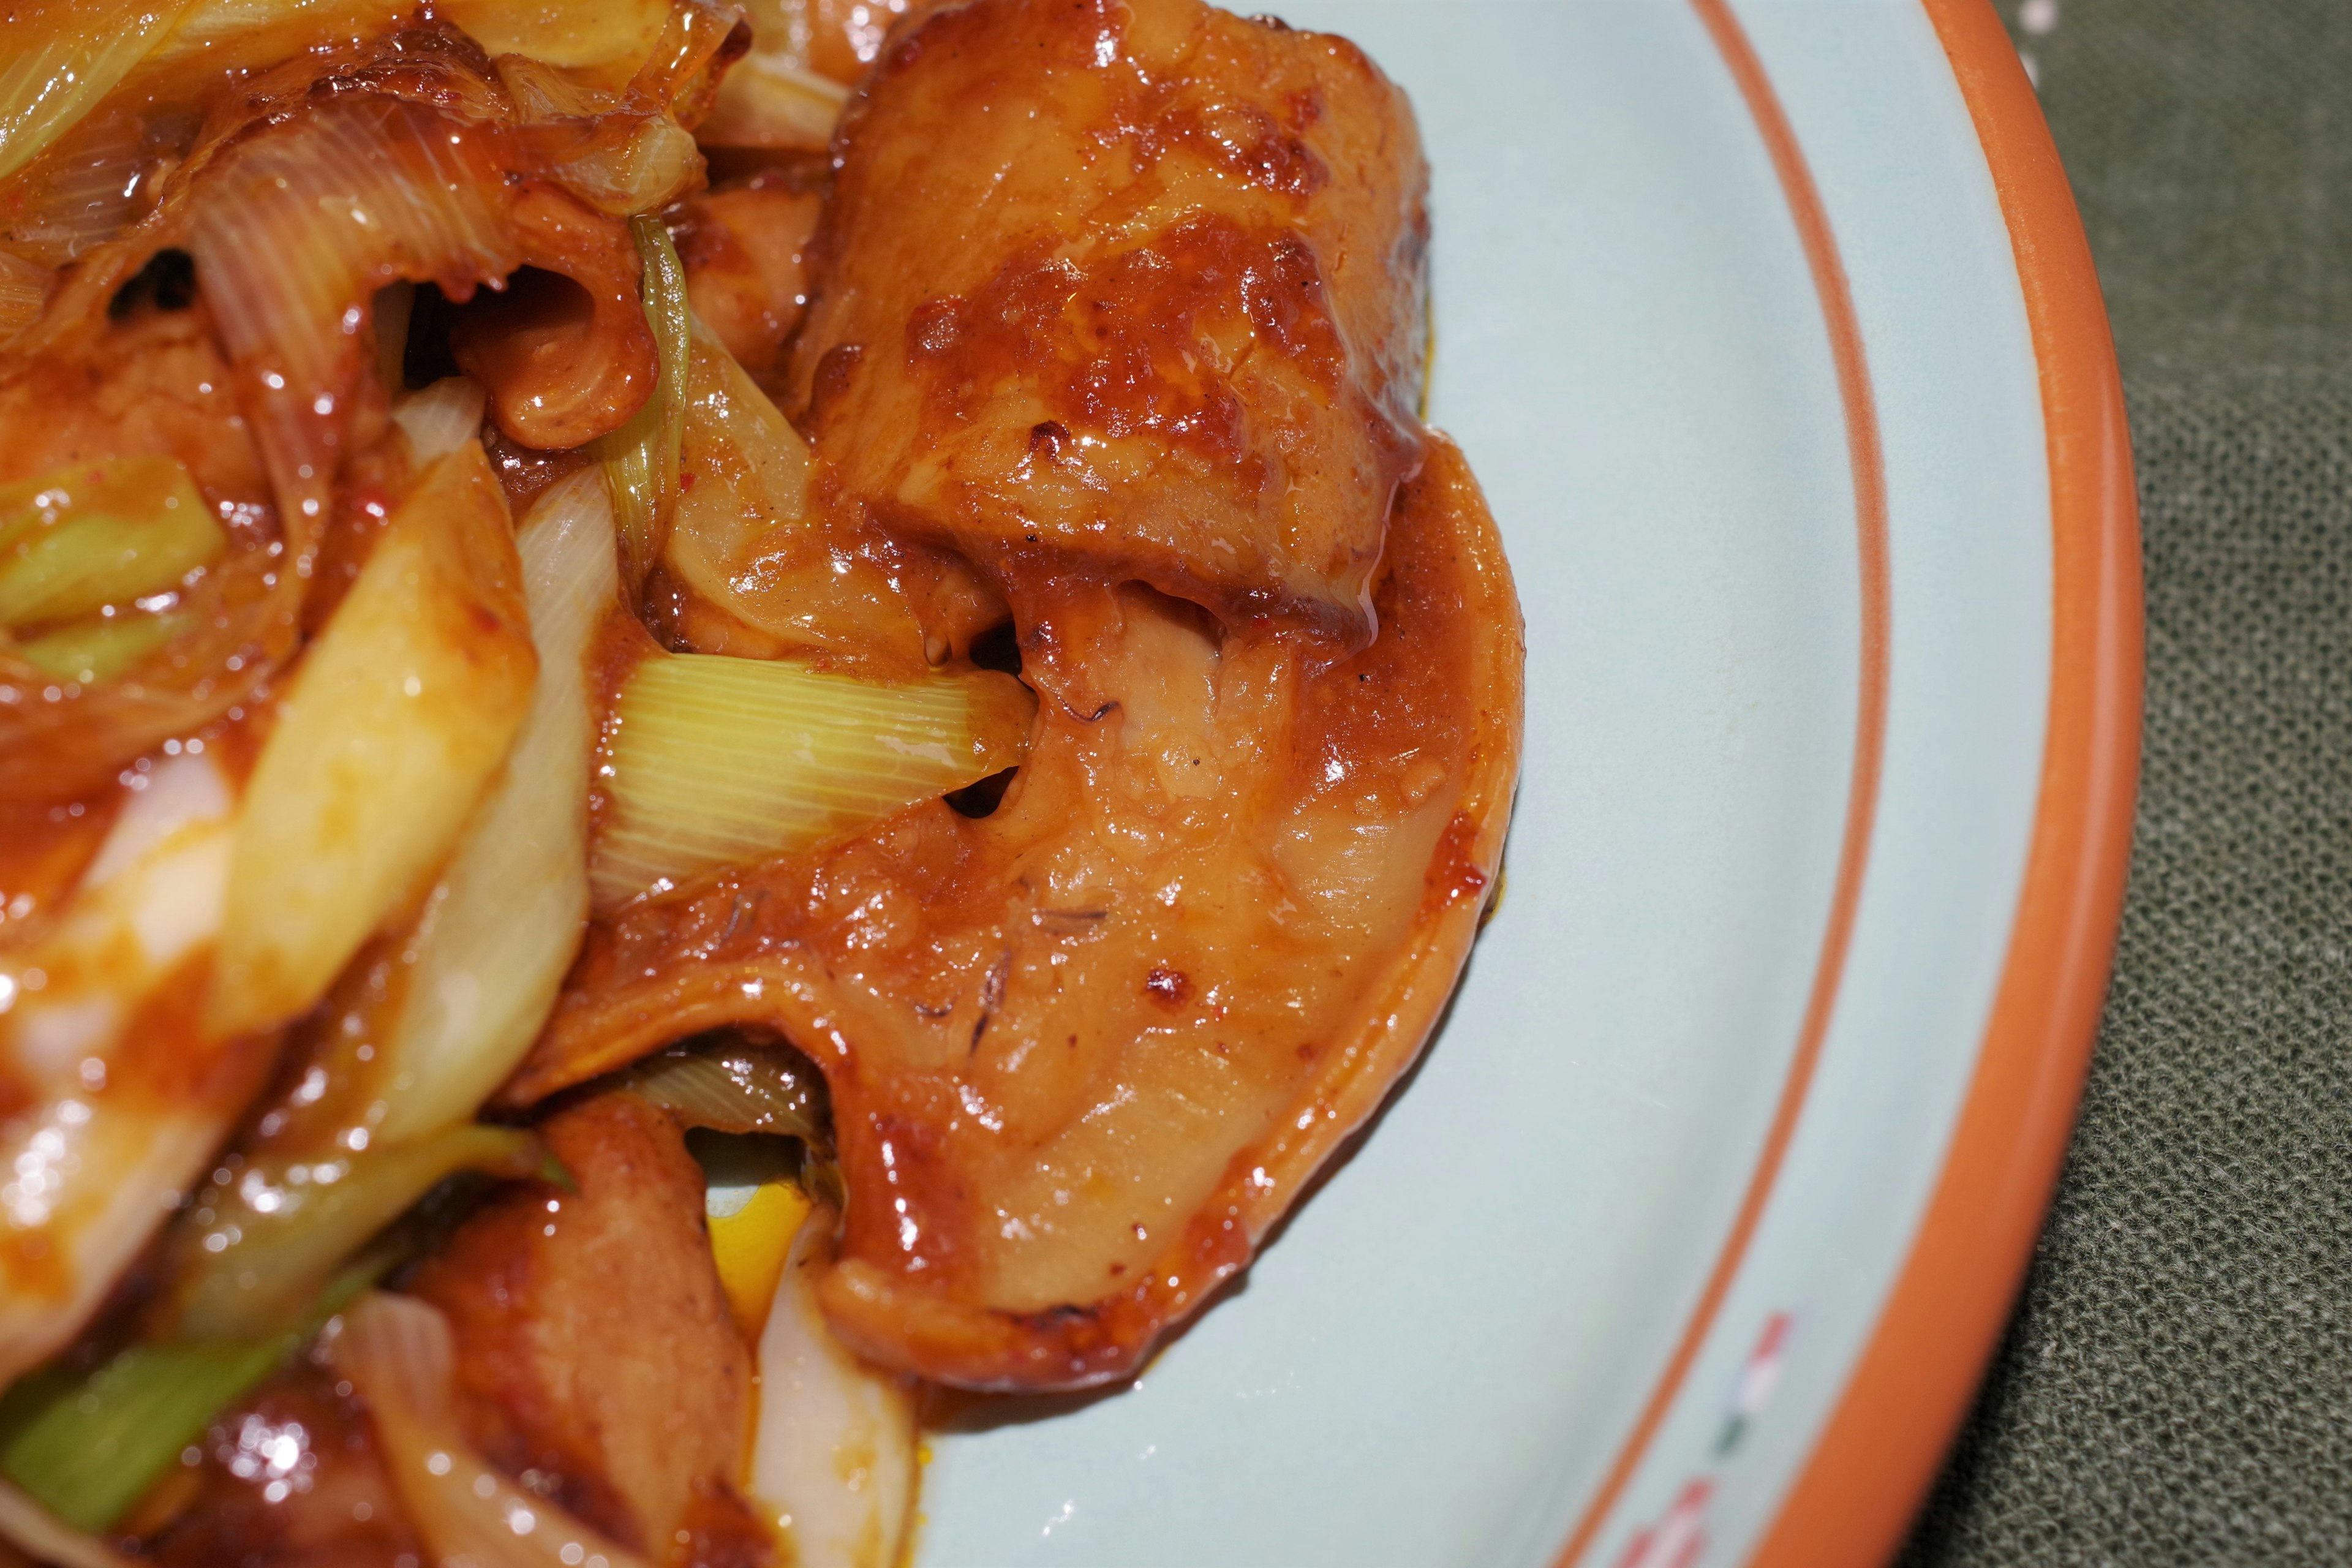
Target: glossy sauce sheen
{"points": [[1058, 1037], [1123, 304]]}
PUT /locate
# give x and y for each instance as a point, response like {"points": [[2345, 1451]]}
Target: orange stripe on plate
{"points": [[1869, 741], [1912, 1384]]}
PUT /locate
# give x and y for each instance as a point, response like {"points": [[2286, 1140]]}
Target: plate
{"points": [[1770, 329]]}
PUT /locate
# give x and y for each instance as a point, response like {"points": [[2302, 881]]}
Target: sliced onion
{"points": [[401, 1359], [719, 761], [769, 100], [440, 418], [295, 231], [834, 1451], [398, 717], [501, 928], [76, 56], [32, 1530]]}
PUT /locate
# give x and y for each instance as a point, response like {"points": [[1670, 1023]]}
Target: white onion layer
{"points": [[440, 418], [91, 1173], [833, 1453]]}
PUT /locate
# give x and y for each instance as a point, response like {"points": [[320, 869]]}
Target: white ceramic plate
{"points": [[1770, 332]]}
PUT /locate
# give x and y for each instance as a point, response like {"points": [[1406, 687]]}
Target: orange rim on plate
{"points": [[1912, 1384], [1888, 1430], [1868, 467]]}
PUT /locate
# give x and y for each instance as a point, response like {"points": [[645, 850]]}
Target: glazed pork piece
{"points": [[594, 1349], [1137, 285], [1084, 1049]]}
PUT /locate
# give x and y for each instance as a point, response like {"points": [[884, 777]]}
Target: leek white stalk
{"points": [[769, 100], [24, 289], [648, 168], [745, 534], [834, 1451], [395, 721], [501, 928], [88, 184], [301, 223], [46, 87], [719, 761], [735, 1090], [234, 35], [440, 418], [400, 1358]]}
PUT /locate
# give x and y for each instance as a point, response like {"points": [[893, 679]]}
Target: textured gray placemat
{"points": [[2176, 1388]]}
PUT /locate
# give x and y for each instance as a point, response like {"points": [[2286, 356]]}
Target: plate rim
{"points": [[1868, 1468], [1918, 1373]]}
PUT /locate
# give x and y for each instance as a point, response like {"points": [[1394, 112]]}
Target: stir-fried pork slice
{"points": [[1131, 282], [1084, 1051], [596, 1359]]}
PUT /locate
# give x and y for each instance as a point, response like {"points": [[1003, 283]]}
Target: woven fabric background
{"points": [[2176, 1387]]}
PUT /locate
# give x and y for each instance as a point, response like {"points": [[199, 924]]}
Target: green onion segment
{"points": [[719, 761]]}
